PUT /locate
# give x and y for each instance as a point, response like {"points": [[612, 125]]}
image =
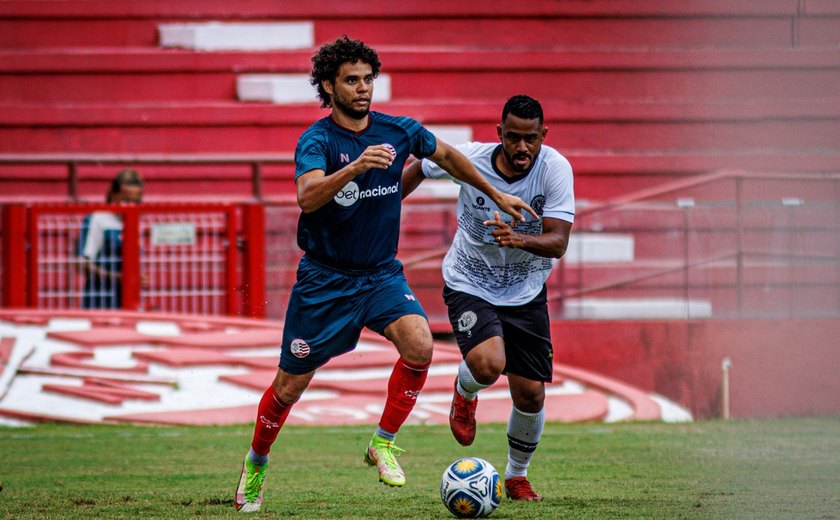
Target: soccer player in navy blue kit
{"points": [[348, 178]]}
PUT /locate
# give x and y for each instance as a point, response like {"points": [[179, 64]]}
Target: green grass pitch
{"points": [[781, 468]]}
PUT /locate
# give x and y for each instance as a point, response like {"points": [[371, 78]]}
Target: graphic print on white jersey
{"points": [[475, 264]]}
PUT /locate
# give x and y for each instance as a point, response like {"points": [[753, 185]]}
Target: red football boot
{"points": [[462, 418], [518, 488]]}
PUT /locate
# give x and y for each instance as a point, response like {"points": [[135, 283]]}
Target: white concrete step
{"points": [[293, 88], [636, 308], [599, 248], [452, 134], [214, 36]]}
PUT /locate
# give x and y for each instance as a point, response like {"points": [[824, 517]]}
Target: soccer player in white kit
{"points": [[495, 278]]}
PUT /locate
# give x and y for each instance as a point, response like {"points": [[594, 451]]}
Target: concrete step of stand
{"points": [[254, 36], [293, 88], [600, 248], [636, 308]]}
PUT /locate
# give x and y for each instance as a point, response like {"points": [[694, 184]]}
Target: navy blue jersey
{"points": [[359, 229]]}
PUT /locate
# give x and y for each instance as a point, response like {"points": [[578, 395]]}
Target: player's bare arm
{"points": [[551, 243], [412, 177], [315, 188], [458, 166]]}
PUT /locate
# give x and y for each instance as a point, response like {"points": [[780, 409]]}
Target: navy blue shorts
{"points": [[328, 309]]}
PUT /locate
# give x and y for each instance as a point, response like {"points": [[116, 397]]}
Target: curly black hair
{"points": [[329, 58], [523, 106]]}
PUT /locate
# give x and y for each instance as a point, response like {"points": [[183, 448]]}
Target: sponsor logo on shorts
{"points": [[466, 321], [350, 193], [300, 348]]}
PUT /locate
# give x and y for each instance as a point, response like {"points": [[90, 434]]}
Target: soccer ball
{"points": [[471, 488]]}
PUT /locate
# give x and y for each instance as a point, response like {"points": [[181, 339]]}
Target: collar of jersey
{"points": [[354, 132]]}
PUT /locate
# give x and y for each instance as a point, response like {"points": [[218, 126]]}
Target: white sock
{"points": [[467, 385], [524, 431]]}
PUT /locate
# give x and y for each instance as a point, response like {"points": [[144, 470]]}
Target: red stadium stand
{"points": [[640, 96], [636, 94]]}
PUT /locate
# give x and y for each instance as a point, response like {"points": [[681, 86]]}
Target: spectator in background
{"points": [[100, 245]]}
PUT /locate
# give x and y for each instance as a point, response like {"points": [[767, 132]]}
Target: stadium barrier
{"points": [[729, 244], [185, 258]]}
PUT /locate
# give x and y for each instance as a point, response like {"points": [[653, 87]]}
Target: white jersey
{"points": [[100, 223], [475, 264]]}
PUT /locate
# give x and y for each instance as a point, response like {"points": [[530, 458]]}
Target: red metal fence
{"points": [[188, 258]]}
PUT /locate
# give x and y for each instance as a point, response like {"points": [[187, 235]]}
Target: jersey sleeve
{"points": [[559, 189], [423, 142], [310, 153], [94, 237]]}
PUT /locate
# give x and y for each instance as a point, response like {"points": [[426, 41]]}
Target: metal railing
{"points": [[727, 244], [752, 244], [72, 162]]}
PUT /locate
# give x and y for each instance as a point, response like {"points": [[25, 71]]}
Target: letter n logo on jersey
{"points": [[344, 157]]}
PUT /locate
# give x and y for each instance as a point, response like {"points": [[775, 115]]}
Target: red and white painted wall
{"points": [[122, 367]]}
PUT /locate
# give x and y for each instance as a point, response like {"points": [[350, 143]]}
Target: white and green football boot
{"points": [[382, 453], [249, 491]]}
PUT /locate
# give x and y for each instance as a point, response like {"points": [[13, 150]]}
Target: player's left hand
{"points": [[504, 234], [513, 206]]}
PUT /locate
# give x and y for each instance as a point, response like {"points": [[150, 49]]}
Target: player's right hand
{"points": [[514, 206], [376, 156]]}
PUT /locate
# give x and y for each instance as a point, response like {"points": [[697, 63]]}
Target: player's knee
{"points": [[486, 370], [420, 353], [417, 349], [413, 339], [289, 388], [530, 401], [288, 394]]}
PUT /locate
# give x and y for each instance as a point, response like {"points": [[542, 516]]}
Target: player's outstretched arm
{"points": [[457, 165], [412, 177]]}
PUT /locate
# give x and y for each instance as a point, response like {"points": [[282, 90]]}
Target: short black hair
{"points": [[523, 106], [327, 61]]}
